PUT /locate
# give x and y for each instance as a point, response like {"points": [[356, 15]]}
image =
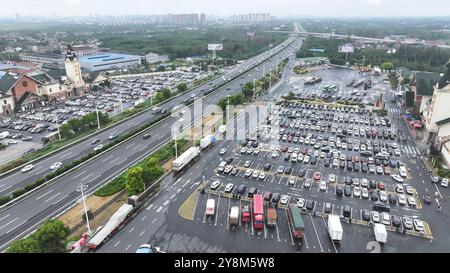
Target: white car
{"points": [[255, 174], [332, 178], [386, 218], [99, 147], [301, 202], [444, 182], [411, 201], [262, 176], [323, 185], [284, 200], [12, 141], [27, 168], [215, 185], [383, 196], [292, 180], [375, 216], [229, 187], [409, 190], [365, 193], [399, 188], [401, 200], [418, 225], [56, 166], [356, 191], [222, 151], [397, 178]]}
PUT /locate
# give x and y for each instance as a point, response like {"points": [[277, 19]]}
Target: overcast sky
{"points": [[352, 8]]}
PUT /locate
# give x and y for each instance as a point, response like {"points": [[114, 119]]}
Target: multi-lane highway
{"points": [[21, 218], [11, 181]]}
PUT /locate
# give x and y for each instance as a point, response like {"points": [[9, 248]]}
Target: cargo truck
{"points": [[184, 159], [271, 217], [380, 233], [234, 217], [258, 212], [335, 228], [296, 223], [207, 141]]}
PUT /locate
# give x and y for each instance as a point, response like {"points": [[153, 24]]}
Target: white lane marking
{"points": [[154, 220], [149, 207], [159, 209], [86, 177], [167, 202], [131, 230], [142, 233], [137, 147], [43, 195], [52, 197], [116, 244], [121, 162], [117, 158], [106, 159], [16, 227], [9, 222], [59, 200], [143, 218], [65, 155], [128, 247], [128, 147], [317, 235], [187, 182], [4, 217], [80, 174]]}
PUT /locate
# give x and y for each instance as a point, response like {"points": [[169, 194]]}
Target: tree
{"points": [[387, 66], [182, 87], [51, 236], [135, 180], [247, 89], [159, 97], [166, 93], [26, 245], [154, 168]]}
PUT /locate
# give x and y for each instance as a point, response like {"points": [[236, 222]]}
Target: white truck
{"points": [[210, 204], [335, 228], [4, 134], [380, 233], [184, 159], [222, 129], [207, 141], [234, 216]]}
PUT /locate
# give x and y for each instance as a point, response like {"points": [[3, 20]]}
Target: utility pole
{"points": [[120, 102], [81, 188], [57, 127], [98, 119]]}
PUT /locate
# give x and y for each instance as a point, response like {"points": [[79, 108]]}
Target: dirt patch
{"points": [[74, 217]]}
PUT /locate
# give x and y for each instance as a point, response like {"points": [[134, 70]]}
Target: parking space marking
{"points": [[9, 222], [154, 220]]}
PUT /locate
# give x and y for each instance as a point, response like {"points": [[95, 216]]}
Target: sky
{"points": [[322, 8]]}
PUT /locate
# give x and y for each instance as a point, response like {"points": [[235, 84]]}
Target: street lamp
{"points": [[57, 127], [98, 119], [81, 188]]}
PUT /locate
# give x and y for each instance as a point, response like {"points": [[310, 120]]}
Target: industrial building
{"points": [[109, 61]]}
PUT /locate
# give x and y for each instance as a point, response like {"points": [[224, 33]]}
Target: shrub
{"points": [[18, 193], [4, 199]]}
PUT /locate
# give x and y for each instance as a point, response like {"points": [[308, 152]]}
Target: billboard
{"points": [[346, 49], [215, 46]]}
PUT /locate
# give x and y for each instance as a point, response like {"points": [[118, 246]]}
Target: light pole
{"points": [[98, 119], [120, 103], [57, 127], [81, 188]]}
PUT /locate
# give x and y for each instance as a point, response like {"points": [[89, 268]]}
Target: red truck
{"points": [[258, 212]]}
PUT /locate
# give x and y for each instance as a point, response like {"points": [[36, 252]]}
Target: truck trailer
{"points": [[207, 141], [234, 216], [335, 228], [271, 217], [184, 159], [380, 233], [296, 222], [258, 212]]}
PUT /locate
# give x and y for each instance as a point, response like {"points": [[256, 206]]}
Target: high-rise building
{"points": [[185, 19], [202, 18], [73, 71], [251, 18]]}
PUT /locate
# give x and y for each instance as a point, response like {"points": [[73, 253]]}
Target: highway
{"points": [[13, 180], [24, 216]]}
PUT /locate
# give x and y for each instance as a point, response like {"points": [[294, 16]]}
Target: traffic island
{"points": [[187, 209]]}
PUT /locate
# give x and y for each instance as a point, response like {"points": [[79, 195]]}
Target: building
{"points": [[154, 58], [436, 112], [73, 72], [202, 18], [46, 60], [184, 19], [82, 50], [422, 85], [109, 61], [18, 91], [251, 18]]}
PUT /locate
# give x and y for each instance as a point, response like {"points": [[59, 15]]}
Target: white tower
{"points": [[73, 71]]}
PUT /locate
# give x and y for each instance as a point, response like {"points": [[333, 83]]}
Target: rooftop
{"points": [[109, 57], [425, 82]]}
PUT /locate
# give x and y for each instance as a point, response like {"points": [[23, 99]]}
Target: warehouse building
{"points": [[109, 61]]}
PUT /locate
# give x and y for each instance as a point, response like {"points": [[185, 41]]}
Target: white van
{"points": [[402, 171]]}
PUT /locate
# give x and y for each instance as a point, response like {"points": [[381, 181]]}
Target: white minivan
{"points": [[294, 157]]}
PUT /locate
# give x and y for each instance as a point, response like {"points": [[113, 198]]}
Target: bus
{"points": [[50, 137], [258, 212]]}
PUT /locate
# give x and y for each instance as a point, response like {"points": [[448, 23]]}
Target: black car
{"points": [[349, 165], [348, 190], [241, 189], [301, 173], [93, 142], [380, 206], [365, 215], [339, 190], [288, 170], [328, 207], [427, 199], [310, 204], [229, 160], [267, 166], [356, 167], [342, 164], [313, 160], [347, 212], [374, 197], [372, 184], [275, 198], [364, 168], [327, 162], [392, 198], [252, 191], [396, 221], [348, 180]]}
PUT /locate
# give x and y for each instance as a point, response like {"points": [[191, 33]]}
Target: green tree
{"points": [[159, 97], [135, 180], [26, 245], [51, 236], [387, 66], [154, 168], [182, 87], [247, 89]]}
